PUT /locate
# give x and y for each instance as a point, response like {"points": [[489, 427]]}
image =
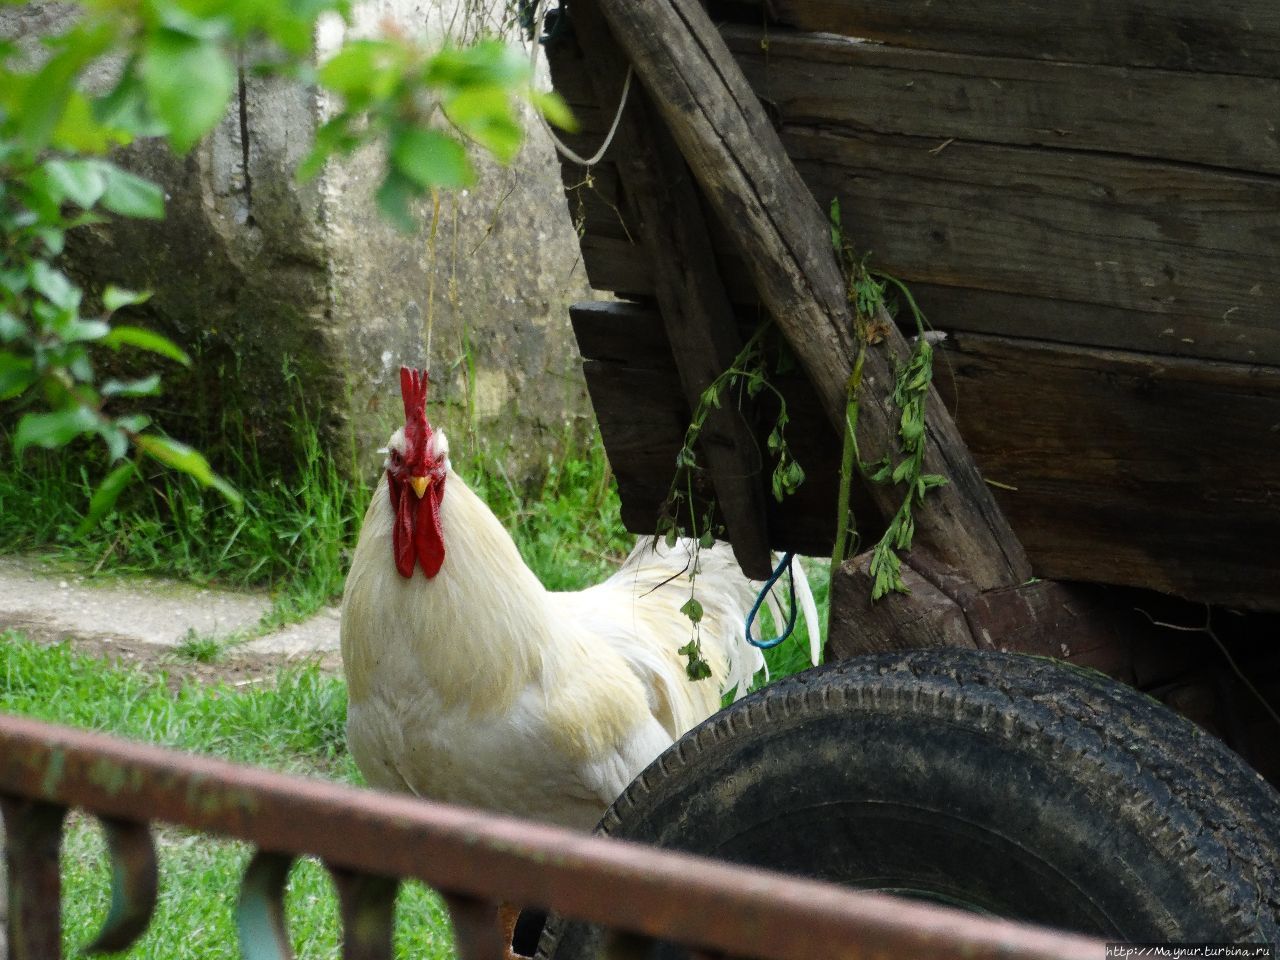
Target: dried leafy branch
{"points": [[866, 292]]}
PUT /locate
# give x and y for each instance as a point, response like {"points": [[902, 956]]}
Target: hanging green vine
{"points": [[866, 293], [746, 376], [749, 376]]}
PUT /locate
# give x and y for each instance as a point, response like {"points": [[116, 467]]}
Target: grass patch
{"points": [[200, 647], [199, 882], [296, 724]]}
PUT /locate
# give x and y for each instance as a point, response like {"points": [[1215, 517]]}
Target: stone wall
{"points": [[251, 270]]}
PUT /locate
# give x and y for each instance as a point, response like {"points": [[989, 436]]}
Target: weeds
{"points": [[200, 647]]}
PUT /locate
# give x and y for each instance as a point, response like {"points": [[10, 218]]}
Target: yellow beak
{"points": [[420, 485]]}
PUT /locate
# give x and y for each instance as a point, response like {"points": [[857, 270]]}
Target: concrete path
{"points": [[150, 613]]}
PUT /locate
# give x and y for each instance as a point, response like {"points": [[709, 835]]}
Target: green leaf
{"points": [[54, 285], [115, 438], [56, 429], [186, 460], [486, 64], [16, 374], [113, 298], [11, 328], [53, 239], [105, 497], [693, 610], [189, 83], [431, 159], [698, 669], [134, 422], [837, 238], [333, 137], [79, 181], [145, 340], [131, 196], [363, 70], [484, 113], [80, 131], [45, 99], [553, 107], [144, 387], [394, 197], [85, 331], [198, 23]]}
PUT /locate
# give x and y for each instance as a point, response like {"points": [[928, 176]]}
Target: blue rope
{"points": [[783, 564]]}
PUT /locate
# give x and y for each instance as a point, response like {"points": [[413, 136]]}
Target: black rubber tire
{"points": [[1014, 785]]}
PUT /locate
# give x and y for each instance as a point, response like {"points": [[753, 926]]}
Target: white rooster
{"points": [[472, 684]]}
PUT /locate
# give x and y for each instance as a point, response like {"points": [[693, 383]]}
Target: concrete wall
{"points": [[251, 269]]}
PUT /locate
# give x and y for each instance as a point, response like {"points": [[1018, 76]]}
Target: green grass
{"points": [[292, 536], [294, 724]]}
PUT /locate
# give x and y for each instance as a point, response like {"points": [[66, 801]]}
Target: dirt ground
{"points": [[145, 621]]}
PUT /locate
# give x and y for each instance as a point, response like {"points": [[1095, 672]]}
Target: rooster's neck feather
{"points": [[478, 631]]}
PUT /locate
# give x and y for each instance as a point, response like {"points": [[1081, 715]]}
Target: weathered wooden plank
{"points": [[1239, 37], [1033, 231], [1045, 618], [1214, 119], [695, 308], [1090, 324], [1195, 251], [783, 236], [1129, 468]]}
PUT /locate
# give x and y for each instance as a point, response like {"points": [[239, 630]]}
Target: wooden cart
{"points": [[1083, 197]]}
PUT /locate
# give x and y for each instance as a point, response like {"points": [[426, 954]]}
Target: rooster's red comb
{"points": [[413, 391]]}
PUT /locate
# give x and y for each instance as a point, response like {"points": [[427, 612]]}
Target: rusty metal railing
{"points": [[369, 841]]}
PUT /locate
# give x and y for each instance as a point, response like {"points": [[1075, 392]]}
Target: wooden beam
{"points": [[699, 318], [734, 153], [1190, 252]]}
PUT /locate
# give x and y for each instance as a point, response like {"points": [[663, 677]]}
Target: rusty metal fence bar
{"points": [[370, 840]]}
